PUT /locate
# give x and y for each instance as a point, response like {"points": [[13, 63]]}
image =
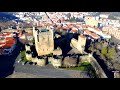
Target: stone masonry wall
{"points": [[95, 64]]}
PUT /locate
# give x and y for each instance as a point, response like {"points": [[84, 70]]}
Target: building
{"points": [[79, 44], [44, 41], [115, 33], [99, 32], [104, 15], [91, 34], [7, 41], [90, 21]]}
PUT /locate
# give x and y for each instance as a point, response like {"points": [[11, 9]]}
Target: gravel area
{"points": [[48, 71]]}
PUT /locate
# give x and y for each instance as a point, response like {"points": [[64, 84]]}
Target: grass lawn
{"points": [[85, 66], [23, 57]]}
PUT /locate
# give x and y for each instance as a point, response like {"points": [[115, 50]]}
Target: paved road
{"points": [[49, 71]]}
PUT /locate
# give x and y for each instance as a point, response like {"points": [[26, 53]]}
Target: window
{"points": [[38, 38]]}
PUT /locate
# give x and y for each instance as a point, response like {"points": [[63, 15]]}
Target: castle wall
{"points": [[27, 48], [44, 42], [99, 71], [28, 56], [79, 44], [57, 52], [41, 62]]}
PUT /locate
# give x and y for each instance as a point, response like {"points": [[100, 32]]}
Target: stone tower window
{"points": [[38, 38]]}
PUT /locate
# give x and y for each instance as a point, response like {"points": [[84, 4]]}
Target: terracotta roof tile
{"points": [[91, 34], [87, 31], [75, 31], [78, 26], [94, 35], [82, 36]]}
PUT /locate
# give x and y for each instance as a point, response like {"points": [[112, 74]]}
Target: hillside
{"points": [[7, 16]]}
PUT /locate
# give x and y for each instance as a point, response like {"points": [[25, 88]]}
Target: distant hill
{"points": [[111, 13], [7, 16]]}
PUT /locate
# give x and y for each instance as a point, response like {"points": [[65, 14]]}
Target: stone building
{"points": [[70, 62], [27, 47], [56, 62], [79, 44], [44, 41], [28, 55]]}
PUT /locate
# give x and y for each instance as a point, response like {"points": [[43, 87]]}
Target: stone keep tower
{"points": [[82, 40], [81, 43], [44, 41]]}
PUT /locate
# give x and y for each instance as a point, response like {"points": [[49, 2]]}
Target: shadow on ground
{"points": [[7, 60], [64, 42]]}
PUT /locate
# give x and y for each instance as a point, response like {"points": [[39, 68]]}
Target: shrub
{"points": [[104, 51]]}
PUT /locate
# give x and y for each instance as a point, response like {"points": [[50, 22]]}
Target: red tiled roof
{"points": [[66, 27], [87, 31], [8, 43], [82, 36], [75, 31], [78, 26], [9, 38], [70, 26], [94, 35], [97, 29]]}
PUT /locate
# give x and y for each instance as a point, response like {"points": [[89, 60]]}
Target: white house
{"points": [[104, 15]]}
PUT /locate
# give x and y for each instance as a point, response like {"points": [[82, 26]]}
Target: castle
{"points": [[44, 41], [79, 44], [44, 45]]}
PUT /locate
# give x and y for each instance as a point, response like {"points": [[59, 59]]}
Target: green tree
{"points": [[104, 51], [50, 55], [111, 53], [99, 40]]}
